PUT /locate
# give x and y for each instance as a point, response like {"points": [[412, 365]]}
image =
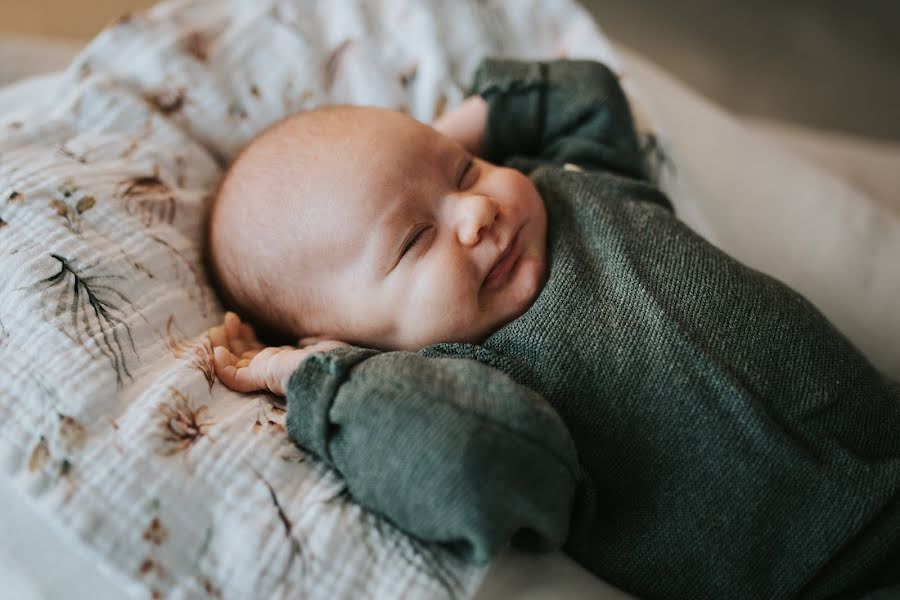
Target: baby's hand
{"points": [[245, 365], [465, 123]]}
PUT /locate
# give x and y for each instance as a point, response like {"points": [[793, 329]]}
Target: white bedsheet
{"points": [[39, 561]]}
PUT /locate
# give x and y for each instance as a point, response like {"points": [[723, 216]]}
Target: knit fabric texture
{"points": [[681, 425]]}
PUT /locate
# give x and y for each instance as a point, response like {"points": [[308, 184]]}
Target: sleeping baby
{"points": [[506, 336]]}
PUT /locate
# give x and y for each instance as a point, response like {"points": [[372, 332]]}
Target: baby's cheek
{"points": [[447, 297]]}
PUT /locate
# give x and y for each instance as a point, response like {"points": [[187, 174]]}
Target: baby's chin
{"points": [[525, 283], [528, 283]]}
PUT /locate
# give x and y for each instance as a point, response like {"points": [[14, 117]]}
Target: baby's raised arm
{"points": [[557, 112]]}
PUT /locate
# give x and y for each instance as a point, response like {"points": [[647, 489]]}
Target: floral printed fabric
{"points": [[110, 413]]}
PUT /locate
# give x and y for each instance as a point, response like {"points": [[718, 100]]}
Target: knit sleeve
{"points": [[449, 449], [558, 112]]}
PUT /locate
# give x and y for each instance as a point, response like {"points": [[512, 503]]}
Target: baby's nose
{"points": [[479, 211]]}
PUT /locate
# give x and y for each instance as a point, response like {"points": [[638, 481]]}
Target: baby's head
{"points": [[366, 226]]}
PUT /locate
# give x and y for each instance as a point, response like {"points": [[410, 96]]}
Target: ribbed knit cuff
{"points": [[514, 91], [311, 390]]}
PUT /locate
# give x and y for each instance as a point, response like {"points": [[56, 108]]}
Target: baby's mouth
{"points": [[505, 262]]}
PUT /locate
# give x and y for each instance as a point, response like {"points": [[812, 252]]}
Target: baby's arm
{"points": [[450, 450], [566, 111]]}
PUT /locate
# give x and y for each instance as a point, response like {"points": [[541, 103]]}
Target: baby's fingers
{"points": [[236, 373], [217, 336], [237, 329], [240, 336], [247, 334], [233, 333]]}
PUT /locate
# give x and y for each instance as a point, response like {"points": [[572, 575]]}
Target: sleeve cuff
{"points": [[514, 91], [311, 390]]}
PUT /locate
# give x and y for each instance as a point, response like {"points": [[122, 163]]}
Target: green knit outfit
{"points": [[681, 425]]}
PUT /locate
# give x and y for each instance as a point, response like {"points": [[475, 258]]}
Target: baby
{"points": [[505, 335]]}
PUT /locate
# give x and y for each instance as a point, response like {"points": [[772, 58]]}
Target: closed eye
{"points": [[468, 176], [415, 240]]}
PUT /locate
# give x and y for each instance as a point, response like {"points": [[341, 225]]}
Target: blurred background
{"points": [[824, 64], [827, 64]]}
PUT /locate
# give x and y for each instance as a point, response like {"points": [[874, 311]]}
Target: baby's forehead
{"points": [[345, 171], [352, 144], [414, 156]]}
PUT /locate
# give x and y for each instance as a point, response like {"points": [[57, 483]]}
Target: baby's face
{"points": [[419, 241]]}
